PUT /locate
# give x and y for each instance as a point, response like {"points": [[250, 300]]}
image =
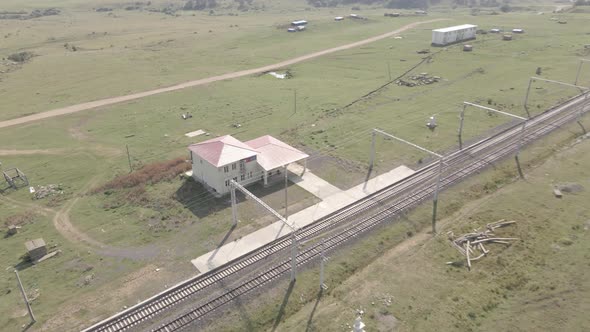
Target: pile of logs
{"points": [[471, 245]]}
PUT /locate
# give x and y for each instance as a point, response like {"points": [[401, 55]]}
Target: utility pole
{"points": [[129, 158], [294, 252], [488, 109], [234, 206], [286, 200], [22, 290], [462, 117], [323, 286], [439, 175]]}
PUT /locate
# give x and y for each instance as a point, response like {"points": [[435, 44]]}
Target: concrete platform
{"points": [[338, 199], [311, 182]]}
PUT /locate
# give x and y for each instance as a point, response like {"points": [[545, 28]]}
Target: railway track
{"points": [[381, 206]]}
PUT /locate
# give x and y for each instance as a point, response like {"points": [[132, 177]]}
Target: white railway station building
{"points": [[450, 35], [217, 161]]}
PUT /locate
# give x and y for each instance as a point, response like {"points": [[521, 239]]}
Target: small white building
{"points": [[450, 35], [299, 23], [219, 160]]}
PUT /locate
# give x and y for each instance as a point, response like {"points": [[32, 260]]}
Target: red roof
{"points": [[274, 153], [222, 150]]}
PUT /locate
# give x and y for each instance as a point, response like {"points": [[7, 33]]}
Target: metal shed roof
{"points": [[222, 150], [34, 244], [275, 153], [455, 28]]}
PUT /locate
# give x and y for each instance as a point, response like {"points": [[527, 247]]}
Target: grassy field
{"points": [[164, 230], [399, 278]]}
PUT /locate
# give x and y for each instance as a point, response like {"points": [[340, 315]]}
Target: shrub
{"points": [[21, 57], [148, 174]]}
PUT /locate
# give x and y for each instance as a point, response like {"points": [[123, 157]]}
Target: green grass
{"points": [[92, 144], [537, 283]]}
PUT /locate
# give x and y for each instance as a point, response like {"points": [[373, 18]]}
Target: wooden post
{"points": [[389, 71], [22, 290], [129, 158], [372, 158]]}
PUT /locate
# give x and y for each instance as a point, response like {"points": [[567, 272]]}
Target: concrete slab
{"points": [[311, 182], [331, 203]]}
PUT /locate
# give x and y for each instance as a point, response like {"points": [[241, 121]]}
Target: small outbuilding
{"points": [[36, 249], [450, 35], [507, 37], [467, 48]]}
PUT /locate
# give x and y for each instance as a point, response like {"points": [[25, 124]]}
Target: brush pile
{"points": [[471, 245]]}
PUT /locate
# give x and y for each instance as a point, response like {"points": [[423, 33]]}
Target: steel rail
{"points": [[189, 288], [354, 231]]}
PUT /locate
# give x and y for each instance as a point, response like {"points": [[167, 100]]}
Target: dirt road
{"points": [[120, 99]]}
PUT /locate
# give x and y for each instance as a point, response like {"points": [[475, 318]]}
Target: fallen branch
{"points": [[471, 245]]}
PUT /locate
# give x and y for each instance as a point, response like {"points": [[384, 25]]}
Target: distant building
{"points": [[219, 160], [450, 35], [338, 18], [299, 23], [518, 30]]}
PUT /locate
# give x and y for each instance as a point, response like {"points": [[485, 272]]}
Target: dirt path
{"points": [[120, 99], [64, 226]]}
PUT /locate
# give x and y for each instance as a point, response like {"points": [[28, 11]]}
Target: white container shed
{"points": [[450, 35]]}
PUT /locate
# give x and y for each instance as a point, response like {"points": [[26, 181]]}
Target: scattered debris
{"points": [[15, 178], [49, 190], [237, 125], [338, 18], [186, 116], [495, 30], [391, 14], [471, 243], [12, 230], [194, 133], [277, 75], [431, 124], [557, 193], [421, 79], [358, 326], [423, 51], [88, 279]]}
